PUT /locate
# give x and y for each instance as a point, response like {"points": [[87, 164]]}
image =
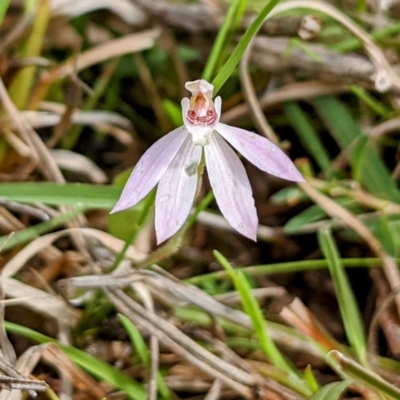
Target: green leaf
{"points": [[93, 365], [3, 9], [226, 71], [54, 194], [235, 7], [347, 302], [253, 310], [173, 111], [307, 134], [26, 235], [331, 391], [136, 339], [374, 173], [314, 213], [126, 224], [311, 214], [360, 373], [386, 233], [141, 348]]}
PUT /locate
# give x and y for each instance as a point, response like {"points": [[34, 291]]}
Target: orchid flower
{"points": [[173, 162]]}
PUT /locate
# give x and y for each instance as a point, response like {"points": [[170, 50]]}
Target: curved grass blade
{"points": [[93, 365], [331, 391], [230, 65]]}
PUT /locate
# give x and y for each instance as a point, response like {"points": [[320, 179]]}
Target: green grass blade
{"points": [[307, 134], [331, 391], [68, 194], [369, 100], [26, 235], [253, 310], [219, 42], [311, 379], [347, 303], [226, 71], [136, 339], [311, 214], [3, 9], [353, 43], [93, 365], [21, 85], [374, 175], [355, 370], [141, 348]]}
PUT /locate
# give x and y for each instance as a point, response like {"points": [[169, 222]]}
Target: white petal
{"points": [[231, 186], [200, 85], [150, 168], [261, 152], [185, 104], [218, 106], [176, 191]]}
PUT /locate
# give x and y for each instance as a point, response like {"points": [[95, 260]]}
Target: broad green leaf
{"points": [[314, 213], [385, 231], [374, 174], [311, 214], [331, 391], [307, 134]]}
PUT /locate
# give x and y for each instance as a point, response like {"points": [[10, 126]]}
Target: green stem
{"points": [[220, 40], [292, 266]]}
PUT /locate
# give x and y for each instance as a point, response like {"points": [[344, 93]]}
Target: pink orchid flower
{"points": [[172, 163]]}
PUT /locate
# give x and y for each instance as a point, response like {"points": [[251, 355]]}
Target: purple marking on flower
{"points": [[172, 163]]}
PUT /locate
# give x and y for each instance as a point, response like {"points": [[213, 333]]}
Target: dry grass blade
{"points": [[182, 345], [177, 293], [45, 303], [123, 8], [215, 392], [41, 154], [265, 233], [54, 355], [14, 379], [42, 302], [78, 163], [297, 315], [147, 300], [7, 349], [292, 91], [334, 210], [111, 49], [107, 240]]}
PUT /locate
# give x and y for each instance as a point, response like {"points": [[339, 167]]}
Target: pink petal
{"points": [[261, 152], [231, 186], [176, 190], [150, 168]]}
